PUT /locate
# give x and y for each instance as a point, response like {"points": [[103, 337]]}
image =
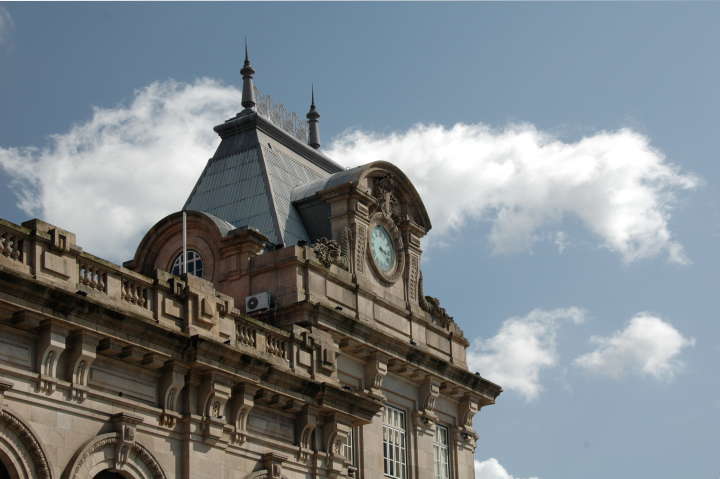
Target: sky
{"points": [[566, 153]]}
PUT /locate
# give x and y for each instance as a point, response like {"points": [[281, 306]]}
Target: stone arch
{"points": [[262, 474], [108, 452], [20, 450]]}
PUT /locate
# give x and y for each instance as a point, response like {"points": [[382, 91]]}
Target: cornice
{"points": [[246, 121]]}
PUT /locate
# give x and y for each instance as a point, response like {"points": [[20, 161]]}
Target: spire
{"points": [[247, 72], [313, 127]]}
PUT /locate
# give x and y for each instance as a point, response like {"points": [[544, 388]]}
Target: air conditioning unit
{"points": [[258, 302]]}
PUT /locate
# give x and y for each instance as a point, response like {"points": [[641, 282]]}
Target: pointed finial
{"points": [[313, 127], [247, 72]]}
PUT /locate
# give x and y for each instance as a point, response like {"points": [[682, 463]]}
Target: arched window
{"points": [[194, 264]]}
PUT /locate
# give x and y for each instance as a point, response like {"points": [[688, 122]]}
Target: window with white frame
{"points": [[441, 449], [394, 443], [194, 264], [350, 447]]}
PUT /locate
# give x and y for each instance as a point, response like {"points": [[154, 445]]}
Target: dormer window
{"points": [[194, 264]]}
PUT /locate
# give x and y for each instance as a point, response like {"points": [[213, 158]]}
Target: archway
{"points": [[108, 457], [4, 473], [106, 474], [21, 455]]}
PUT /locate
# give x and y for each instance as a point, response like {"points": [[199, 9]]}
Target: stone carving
{"points": [[11, 246], [13, 431], [93, 277], [360, 245], [375, 371], [171, 383], [273, 465], [242, 402], [336, 434], [102, 453], [212, 396], [425, 416], [327, 251], [49, 346], [125, 425], [413, 278], [306, 423], [385, 190], [135, 293], [437, 312], [467, 408], [82, 355]]}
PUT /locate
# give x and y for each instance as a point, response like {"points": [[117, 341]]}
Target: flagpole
{"points": [[184, 241]]}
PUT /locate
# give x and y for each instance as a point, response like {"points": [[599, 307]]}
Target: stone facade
{"points": [[131, 371]]}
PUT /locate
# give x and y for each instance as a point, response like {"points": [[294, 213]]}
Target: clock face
{"points": [[382, 249]]}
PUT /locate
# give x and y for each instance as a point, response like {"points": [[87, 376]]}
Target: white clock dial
{"points": [[382, 249]]}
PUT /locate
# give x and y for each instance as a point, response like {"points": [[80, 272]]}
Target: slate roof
{"points": [[250, 179]]}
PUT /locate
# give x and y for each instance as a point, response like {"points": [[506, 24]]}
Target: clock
{"points": [[382, 249]]}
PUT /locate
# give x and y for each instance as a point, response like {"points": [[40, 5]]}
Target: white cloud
{"points": [[521, 349], [647, 346], [521, 179], [110, 178], [6, 25], [492, 469]]}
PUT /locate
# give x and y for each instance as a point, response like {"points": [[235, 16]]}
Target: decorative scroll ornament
{"points": [[327, 251]]}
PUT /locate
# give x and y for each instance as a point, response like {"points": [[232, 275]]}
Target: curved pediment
{"points": [[384, 184]]}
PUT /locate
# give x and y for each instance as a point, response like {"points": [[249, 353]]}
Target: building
{"points": [[292, 339]]}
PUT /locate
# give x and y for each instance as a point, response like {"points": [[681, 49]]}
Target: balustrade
{"points": [[246, 336], [276, 346], [135, 293], [11, 246], [93, 277]]}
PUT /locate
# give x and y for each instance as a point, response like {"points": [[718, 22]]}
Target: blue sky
{"points": [[566, 153]]}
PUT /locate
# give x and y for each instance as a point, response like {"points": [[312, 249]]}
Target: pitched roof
{"points": [[250, 178]]}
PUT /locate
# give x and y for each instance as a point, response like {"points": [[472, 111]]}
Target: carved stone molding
{"points": [[306, 423], [101, 453], [428, 393], [83, 345], [376, 369], [171, 384], [336, 434], [125, 426], [22, 447], [467, 408], [241, 403], [50, 344], [213, 395], [329, 252]]}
